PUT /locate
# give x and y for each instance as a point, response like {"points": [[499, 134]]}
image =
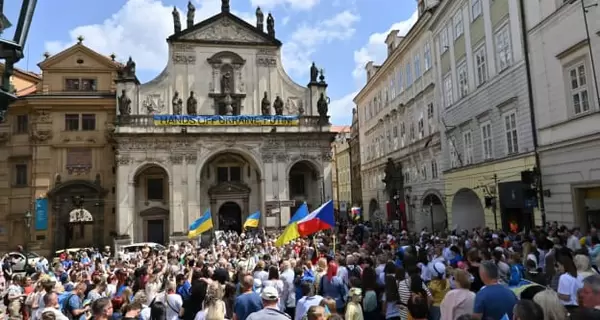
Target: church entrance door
{"points": [[230, 217]]}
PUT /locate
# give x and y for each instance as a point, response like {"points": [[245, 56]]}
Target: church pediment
{"points": [[225, 28], [229, 188], [78, 56]]}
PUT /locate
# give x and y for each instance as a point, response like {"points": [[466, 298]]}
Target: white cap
{"points": [[438, 269], [270, 294]]}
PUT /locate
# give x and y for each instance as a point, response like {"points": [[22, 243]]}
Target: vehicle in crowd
{"points": [[18, 260], [141, 245]]}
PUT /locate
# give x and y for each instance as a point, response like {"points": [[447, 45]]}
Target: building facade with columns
{"points": [[484, 102], [567, 105], [399, 132], [168, 175]]}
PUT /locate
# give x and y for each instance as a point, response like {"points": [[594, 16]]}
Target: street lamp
{"points": [[27, 221], [12, 50]]}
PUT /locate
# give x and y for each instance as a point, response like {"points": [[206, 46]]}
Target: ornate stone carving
{"points": [[154, 103], [323, 106], [266, 61], [293, 105], [43, 117], [41, 135], [278, 106], [305, 156], [327, 156], [268, 157], [131, 144], [156, 159], [176, 20], [176, 159], [183, 47], [265, 105], [225, 30], [123, 160], [191, 158], [282, 157], [181, 58], [192, 104], [109, 131], [301, 144]]}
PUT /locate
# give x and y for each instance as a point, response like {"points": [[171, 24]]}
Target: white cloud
{"points": [[305, 39], [375, 49], [138, 29], [293, 4], [341, 109]]}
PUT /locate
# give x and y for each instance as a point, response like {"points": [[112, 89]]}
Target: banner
{"points": [[216, 120], [41, 214]]}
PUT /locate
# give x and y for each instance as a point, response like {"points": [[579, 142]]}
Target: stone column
{"points": [[176, 205], [125, 199], [193, 190]]}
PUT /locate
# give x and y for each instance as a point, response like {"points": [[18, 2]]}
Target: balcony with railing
{"points": [[132, 124]]}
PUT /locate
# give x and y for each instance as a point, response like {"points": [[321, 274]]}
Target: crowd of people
{"points": [[543, 274]]}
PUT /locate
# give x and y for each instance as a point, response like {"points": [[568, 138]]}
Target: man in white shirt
{"points": [[172, 301]]}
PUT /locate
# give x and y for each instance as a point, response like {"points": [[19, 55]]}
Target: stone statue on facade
{"points": [[176, 20], [278, 106], [225, 6], [393, 178], [128, 71], [226, 82], [323, 106], [270, 25], [192, 105], [177, 104], [228, 105], [314, 73], [190, 14], [265, 105], [260, 19], [124, 104]]}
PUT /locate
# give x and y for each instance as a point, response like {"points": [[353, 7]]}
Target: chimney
{"points": [[390, 41]]}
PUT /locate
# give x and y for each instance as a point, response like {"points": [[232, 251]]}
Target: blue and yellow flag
{"points": [[291, 231], [201, 225], [253, 220]]}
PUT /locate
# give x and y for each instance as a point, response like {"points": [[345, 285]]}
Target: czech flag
{"points": [[253, 220], [291, 231], [355, 213], [320, 219], [201, 225]]}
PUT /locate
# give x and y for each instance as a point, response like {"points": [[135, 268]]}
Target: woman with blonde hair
{"points": [[353, 308], [458, 301], [551, 306], [584, 268], [213, 306], [321, 270]]}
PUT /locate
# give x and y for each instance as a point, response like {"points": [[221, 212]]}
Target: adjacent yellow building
{"points": [[342, 185], [57, 165]]}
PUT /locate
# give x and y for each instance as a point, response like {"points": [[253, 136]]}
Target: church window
{"points": [[155, 189]]}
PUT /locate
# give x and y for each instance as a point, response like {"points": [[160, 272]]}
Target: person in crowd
{"points": [[52, 306], [333, 286], [102, 309], [551, 306], [270, 310], [439, 286], [494, 300], [460, 300], [274, 281], [353, 308], [370, 285], [248, 301], [569, 281], [214, 307], [309, 299], [527, 310]]}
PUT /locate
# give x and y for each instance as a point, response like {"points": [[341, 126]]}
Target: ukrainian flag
{"points": [[253, 220], [201, 225], [291, 231]]}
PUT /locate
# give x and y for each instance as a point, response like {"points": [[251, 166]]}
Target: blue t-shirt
{"points": [[75, 303], [494, 301], [247, 303]]}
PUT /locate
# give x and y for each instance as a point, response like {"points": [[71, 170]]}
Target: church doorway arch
{"points": [[230, 217]]}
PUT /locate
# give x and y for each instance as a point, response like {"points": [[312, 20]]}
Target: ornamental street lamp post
{"points": [[11, 51], [27, 220]]}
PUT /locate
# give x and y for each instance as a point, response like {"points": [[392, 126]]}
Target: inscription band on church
{"points": [[217, 120]]}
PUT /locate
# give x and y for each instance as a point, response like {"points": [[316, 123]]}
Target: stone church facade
{"points": [[168, 176]]}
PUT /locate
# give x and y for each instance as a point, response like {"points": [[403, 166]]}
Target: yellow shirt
{"points": [[438, 289], [353, 311]]}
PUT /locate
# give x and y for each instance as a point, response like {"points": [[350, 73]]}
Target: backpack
{"points": [[63, 302]]}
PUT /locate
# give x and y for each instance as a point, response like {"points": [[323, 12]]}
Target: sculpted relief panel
{"points": [[225, 30]]}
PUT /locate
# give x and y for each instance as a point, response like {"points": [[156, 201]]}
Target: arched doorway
{"points": [[78, 207], [435, 212], [152, 201], [467, 210], [305, 185], [230, 217], [227, 178]]}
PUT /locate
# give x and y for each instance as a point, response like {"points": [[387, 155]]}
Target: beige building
{"points": [[399, 130], [168, 175], [340, 172], [55, 146]]}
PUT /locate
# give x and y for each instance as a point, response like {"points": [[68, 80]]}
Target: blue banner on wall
{"points": [[41, 214]]}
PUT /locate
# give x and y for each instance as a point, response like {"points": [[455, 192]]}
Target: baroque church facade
{"points": [[168, 176]]}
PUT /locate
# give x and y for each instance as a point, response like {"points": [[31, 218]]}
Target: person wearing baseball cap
{"points": [[270, 298]]}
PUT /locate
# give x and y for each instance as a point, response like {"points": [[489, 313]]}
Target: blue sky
{"points": [[339, 35]]}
